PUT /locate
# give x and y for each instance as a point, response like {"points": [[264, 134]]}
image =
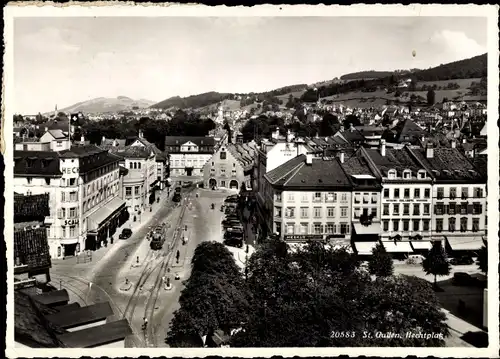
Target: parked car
{"points": [[466, 280], [178, 189], [177, 276], [464, 260], [126, 233], [177, 197]]}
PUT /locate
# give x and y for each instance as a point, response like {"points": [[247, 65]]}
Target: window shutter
{"points": [[59, 214], [470, 208], [480, 209]]}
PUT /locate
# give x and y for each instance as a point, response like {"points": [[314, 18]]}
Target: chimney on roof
{"points": [[464, 140], [309, 158], [382, 148], [82, 140], [429, 151], [46, 129], [351, 127], [342, 156], [141, 134], [453, 144]]}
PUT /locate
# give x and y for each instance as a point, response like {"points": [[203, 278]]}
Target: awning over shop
{"points": [[465, 243], [99, 217], [398, 247], [373, 228], [419, 245], [364, 248]]}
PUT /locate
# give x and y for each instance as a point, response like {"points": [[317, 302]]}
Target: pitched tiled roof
{"points": [[90, 156], [81, 316], [245, 153], [30, 326], [28, 208], [32, 247], [36, 163], [398, 159], [57, 134], [449, 164], [322, 174], [180, 140], [409, 129], [98, 335]]}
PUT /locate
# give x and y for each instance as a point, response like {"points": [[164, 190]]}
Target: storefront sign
{"points": [[303, 237], [71, 222], [332, 236], [24, 284], [68, 171]]}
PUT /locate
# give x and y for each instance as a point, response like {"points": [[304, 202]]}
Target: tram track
{"points": [[151, 266], [149, 310]]}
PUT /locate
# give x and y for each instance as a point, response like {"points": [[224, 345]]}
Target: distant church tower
{"points": [[55, 112], [220, 116]]}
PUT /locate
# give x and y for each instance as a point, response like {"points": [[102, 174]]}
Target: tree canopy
{"points": [[482, 259], [319, 296], [381, 263], [436, 262]]}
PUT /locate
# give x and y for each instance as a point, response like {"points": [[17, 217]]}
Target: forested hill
{"points": [[474, 67], [209, 98], [366, 75]]}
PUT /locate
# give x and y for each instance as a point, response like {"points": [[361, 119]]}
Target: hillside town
{"points": [[330, 208], [403, 179]]}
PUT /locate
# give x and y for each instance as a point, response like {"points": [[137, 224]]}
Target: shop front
{"points": [[103, 223]]}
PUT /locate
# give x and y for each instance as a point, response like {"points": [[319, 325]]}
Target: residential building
{"points": [[231, 166], [406, 196], [83, 188], [270, 155], [308, 198], [51, 140], [365, 205], [140, 181], [187, 156], [459, 198]]}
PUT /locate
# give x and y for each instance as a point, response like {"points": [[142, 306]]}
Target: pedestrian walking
{"points": [[177, 256]]}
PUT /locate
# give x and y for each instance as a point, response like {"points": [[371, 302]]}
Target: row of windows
{"points": [[365, 211], [189, 162], [70, 213], [315, 228], [452, 224], [477, 192], [453, 208], [182, 171], [407, 193], [366, 198], [317, 212], [222, 172], [316, 197], [426, 225], [99, 184], [407, 174], [65, 230], [396, 208], [69, 196], [92, 175], [134, 165], [87, 205], [128, 191]]}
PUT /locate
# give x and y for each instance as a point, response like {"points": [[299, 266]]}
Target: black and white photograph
{"points": [[289, 179]]}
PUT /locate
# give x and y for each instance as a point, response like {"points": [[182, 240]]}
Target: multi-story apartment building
{"points": [[406, 196], [141, 179], [83, 187], [366, 199], [187, 156], [231, 166], [458, 196], [308, 199]]}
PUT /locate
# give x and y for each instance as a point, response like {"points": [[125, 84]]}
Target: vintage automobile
{"points": [[126, 233]]}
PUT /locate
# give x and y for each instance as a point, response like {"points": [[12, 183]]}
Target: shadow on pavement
{"points": [[464, 302], [478, 339]]}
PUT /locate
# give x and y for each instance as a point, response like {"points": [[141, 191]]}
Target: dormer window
{"points": [[392, 174], [407, 174], [422, 174]]}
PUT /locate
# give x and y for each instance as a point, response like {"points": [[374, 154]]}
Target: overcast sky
{"points": [[67, 60]]}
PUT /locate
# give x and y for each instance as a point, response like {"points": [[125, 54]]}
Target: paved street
{"points": [[110, 268]]}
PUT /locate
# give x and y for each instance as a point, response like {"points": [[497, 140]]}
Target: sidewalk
{"points": [[86, 269]]}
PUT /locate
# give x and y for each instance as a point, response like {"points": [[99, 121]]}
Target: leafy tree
{"points": [[482, 259], [299, 299], [329, 125], [381, 263], [351, 119], [431, 97], [436, 262]]}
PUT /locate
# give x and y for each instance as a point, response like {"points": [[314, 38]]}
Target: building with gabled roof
{"points": [[188, 156], [459, 198], [83, 185], [308, 198], [406, 197]]}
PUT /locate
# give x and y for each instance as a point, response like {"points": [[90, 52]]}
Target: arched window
{"points": [[138, 165], [392, 174]]}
